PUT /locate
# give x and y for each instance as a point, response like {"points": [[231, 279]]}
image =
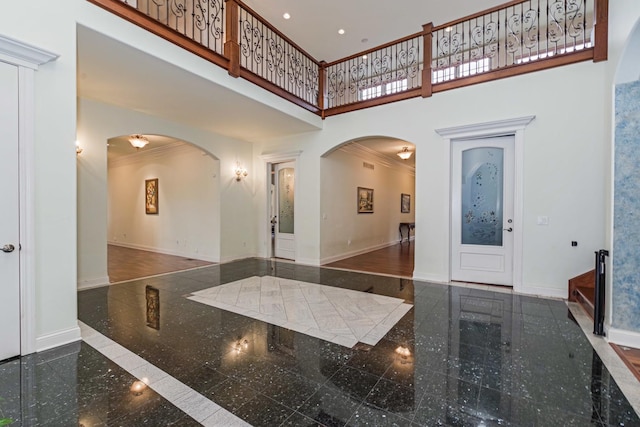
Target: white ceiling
{"points": [[160, 89], [314, 24]]}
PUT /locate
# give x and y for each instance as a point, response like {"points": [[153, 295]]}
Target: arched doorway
{"points": [[367, 206]]}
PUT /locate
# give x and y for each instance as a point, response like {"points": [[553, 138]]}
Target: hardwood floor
{"points": [[396, 260], [127, 264], [630, 357]]}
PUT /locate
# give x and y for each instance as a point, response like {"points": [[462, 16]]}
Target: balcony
{"points": [[512, 39]]}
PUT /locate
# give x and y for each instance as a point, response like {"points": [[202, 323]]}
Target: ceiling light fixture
{"points": [[78, 148], [341, 31], [138, 141], [404, 154], [286, 16]]}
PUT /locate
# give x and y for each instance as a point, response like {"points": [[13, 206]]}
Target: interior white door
{"points": [[9, 214], [285, 238], [482, 210]]}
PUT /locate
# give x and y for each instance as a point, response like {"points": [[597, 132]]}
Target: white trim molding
{"points": [[516, 127], [623, 337], [27, 58], [22, 54], [66, 336], [268, 160], [93, 283]]}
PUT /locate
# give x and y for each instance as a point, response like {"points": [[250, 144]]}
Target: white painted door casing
{"points": [[9, 212], [488, 257]]}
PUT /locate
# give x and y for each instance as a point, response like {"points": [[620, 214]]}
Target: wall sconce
{"points": [[78, 148], [404, 154], [240, 172], [138, 141]]}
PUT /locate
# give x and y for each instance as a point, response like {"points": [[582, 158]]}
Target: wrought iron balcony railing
{"points": [[515, 38]]}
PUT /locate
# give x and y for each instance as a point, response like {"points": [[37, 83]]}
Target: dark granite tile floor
{"points": [[475, 358]]}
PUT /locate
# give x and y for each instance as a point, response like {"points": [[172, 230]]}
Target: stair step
{"points": [[585, 297]]}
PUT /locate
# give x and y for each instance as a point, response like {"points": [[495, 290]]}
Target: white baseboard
{"points": [[93, 283], [197, 256], [428, 277], [308, 261], [59, 338], [543, 292], [623, 337], [345, 255], [235, 258]]}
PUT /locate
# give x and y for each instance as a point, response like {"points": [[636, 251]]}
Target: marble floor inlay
{"points": [[340, 316], [461, 356]]}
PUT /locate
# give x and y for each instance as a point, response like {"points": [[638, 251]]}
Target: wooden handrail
{"points": [[374, 49], [478, 15], [275, 30], [230, 56]]}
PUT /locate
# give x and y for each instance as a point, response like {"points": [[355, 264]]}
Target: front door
{"points": [[9, 214], [482, 210], [284, 230]]}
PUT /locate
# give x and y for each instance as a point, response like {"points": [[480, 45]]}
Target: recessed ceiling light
{"points": [[340, 31], [448, 29], [364, 56], [286, 15]]}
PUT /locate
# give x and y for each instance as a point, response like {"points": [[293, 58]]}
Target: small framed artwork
{"points": [[405, 203], [365, 200], [151, 196]]}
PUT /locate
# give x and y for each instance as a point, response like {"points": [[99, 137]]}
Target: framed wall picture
{"points": [[151, 196], [365, 200], [405, 203]]}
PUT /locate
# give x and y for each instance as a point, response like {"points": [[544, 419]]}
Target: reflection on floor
{"points": [[127, 263], [337, 315], [396, 260], [460, 357]]}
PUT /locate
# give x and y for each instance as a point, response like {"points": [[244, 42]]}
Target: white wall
{"points": [[566, 156], [52, 27], [344, 231], [187, 223], [563, 166], [234, 224]]}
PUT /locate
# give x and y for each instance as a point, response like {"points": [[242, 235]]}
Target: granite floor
{"points": [[461, 356]]}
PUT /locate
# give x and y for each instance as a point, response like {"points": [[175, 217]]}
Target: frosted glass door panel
{"points": [[285, 200], [482, 196]]}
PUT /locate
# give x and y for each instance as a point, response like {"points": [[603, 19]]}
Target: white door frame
{"points": [[497, 264], [514, 127], [27, 58], [270, 160]]}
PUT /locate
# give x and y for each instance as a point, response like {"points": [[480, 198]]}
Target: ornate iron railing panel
{"points": [[267, 54], [202, 21], [516, 34], [391, 69]]}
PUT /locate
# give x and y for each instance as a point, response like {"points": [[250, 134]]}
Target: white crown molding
{"points": [[288, 155], [486, 129], [22, 54], [143, 155], [360, 150]]}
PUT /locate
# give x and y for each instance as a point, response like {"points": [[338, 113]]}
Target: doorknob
{"points": [[510, 229], [8, 248]]}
